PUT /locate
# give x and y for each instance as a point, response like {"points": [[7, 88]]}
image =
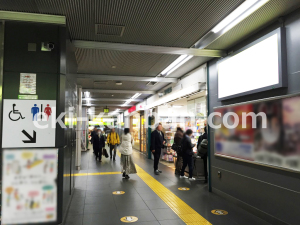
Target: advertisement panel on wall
{"points": [[273, 139], [29, 189]]}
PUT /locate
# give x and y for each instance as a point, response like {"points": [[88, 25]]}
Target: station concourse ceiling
{"points": [[175, 23]]}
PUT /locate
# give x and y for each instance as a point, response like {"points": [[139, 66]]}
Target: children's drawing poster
{"points": [[29, 189]]}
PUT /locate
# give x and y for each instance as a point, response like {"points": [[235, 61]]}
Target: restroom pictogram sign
{"points": [[29, 123]]}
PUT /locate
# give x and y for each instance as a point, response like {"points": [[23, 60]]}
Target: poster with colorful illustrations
{"points": [[29, 190]]}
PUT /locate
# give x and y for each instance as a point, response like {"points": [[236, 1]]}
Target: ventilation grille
{"points": [[151, 83], [111, 30]]}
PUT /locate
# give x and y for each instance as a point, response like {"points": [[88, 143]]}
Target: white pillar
{"points": [[79, 129]]}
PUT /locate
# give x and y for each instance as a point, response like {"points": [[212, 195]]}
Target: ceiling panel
{"points": [[266, 14], [95, 61]]}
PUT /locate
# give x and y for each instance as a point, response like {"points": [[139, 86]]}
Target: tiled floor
{"points": [[93, 202]]}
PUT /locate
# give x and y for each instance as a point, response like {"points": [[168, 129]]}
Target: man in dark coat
{"points": [[201, 138], [157, 143], [98, 144], [187, 149]]}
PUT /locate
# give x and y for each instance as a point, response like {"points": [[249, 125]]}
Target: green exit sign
{"points": [[106, 110]]}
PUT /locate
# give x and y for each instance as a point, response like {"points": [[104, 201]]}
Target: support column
{"points": [[79, 130]]}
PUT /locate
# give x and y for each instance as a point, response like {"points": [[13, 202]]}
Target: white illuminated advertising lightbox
{"points": [[257, 67]]}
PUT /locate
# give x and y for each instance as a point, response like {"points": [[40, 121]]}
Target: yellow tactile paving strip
{"points": [[183, 210], [92, 174]]}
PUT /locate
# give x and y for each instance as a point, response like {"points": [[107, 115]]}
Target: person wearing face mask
{"points": [[98, 144], [187, 154]]}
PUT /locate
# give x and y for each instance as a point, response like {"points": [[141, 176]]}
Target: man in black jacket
{"points": [[187, 149], [204, 157], [98, 144], [157, 143]]}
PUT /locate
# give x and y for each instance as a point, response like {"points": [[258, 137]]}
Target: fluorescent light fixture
{"points": [[239, 14], [136, 95], [127, 102], [177, 106], [87, 94], [177, 63]]}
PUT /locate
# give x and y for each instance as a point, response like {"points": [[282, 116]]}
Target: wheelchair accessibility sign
{"points": [[28, 123]]}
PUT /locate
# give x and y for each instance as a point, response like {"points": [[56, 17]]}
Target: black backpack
{"points": [[177, 148]]}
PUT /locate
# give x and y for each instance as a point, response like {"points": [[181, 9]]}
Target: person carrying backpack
{"points": [[202, 150], [187, 152], [113, 141]]}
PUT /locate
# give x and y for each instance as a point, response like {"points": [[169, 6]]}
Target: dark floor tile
{"points": [[127, 198], [74, 220], [149, 196], [156, 204], [76, 209], [132, 206], [164, 214], [171, 222], [107, 218], [99, 199], [101, 207]]}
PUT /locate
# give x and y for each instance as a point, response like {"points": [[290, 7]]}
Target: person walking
{"points": [[113, 140], [127, 164], [94, 132], [98, 144], [202, 151], [178, 148], [187, 153], [157, 143]]}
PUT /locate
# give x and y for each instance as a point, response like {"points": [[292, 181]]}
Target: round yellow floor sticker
{"points": [[119, 192], [183, 189], [129, 219], [219, 212]]}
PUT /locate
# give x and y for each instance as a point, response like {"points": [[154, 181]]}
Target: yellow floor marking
{"points": [[92, 174], [183, 210]]}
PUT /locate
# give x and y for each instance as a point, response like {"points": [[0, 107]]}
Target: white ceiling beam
{"points": [[32, 17], [112, 99], [119, 91], [148, 49], [127, 78]]}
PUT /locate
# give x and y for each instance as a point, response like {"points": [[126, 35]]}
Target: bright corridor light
{"points": [[87, 94], [177, 63], [136, 95], [239, 14]]}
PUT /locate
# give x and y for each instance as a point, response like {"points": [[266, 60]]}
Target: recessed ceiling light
{"points": [[119, 83], [112, 95], [113, 66]]}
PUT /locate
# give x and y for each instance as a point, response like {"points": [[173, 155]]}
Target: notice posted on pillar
{"points": [[29, 189], [28, 123]]}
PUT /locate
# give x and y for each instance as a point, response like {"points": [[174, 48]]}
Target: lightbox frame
{"points": [[282, 63], [248, 161]]}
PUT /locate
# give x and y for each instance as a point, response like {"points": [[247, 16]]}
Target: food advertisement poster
{"points": [[29, 189]]}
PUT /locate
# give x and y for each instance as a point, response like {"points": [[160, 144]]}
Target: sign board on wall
{"points": [[28, 123], [27, 83], [29, 190], [132, 109]]}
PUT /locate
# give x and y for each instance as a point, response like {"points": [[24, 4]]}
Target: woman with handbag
{"points": [[202, 150], [127, 164]]}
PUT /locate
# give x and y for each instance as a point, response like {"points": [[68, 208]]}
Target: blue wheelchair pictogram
{"points": [[15, 115]]}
